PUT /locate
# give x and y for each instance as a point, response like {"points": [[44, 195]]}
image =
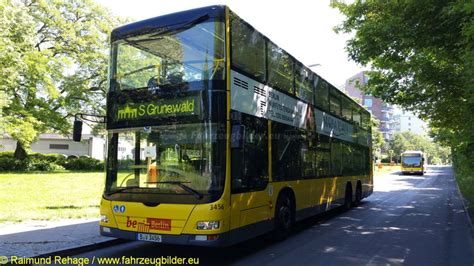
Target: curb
{"points": [[81, 249], [464, 201]]}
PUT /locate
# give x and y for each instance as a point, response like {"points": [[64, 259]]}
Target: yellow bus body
{"points": [[241, 216], [421, 169], [412, 170]]}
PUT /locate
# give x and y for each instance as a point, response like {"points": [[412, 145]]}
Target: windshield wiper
{"points": [[181, 185], [178, 183], [120, 190]]}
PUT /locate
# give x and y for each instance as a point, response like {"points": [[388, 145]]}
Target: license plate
{"points": [[149, 237]]}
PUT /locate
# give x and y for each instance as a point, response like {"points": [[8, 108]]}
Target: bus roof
{"points": [[169, 21], [412, 152]]}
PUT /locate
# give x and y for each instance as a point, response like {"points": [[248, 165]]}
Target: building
{"points": [[408, 121], [90, 145], [379, 109]]}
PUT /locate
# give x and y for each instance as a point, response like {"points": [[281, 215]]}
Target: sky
{"points": [[304, 28]]}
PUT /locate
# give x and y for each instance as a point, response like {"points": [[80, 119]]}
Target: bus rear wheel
{"points": [[284, 217], [348, 197], [358, 195]]}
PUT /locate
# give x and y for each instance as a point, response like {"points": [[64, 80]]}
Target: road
{"points": [[410, 220]]}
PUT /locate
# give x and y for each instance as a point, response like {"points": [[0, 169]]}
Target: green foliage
{"points": [[48, 162], [378, 142], [34, 162], [84, 163], [436, 154], [9, 163], [52, 65], [463, 165], [421, 54]]}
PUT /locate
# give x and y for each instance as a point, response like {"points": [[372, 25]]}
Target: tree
{"points": [[443, 155], [406, 141], [54, 64], [421, 56], [378, 142]]}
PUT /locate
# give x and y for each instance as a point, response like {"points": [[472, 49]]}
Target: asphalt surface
{"points": [[409, 220]]}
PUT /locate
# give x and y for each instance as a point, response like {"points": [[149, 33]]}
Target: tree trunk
{"points": [[20, 152]]}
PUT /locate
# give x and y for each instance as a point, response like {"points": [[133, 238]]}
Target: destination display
{"points": [[159, 108], [254, 98]]}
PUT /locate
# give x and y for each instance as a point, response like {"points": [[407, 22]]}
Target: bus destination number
{"points": [[217, 207]]}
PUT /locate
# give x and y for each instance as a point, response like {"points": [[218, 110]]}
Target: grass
{"points": [[50, 196], [463, 166], [61, 195], [386, 169], [465, 182]]}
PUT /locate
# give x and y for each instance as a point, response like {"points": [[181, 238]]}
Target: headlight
{"points": [[208, 225], [104, 218]]}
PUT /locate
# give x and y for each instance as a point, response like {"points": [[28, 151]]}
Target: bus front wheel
{"points": [[284, 217]]}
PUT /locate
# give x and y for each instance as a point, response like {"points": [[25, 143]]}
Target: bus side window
{"points": [[347, 159], [335, 101], [288, 150], [336, 158], [249, 153], [322, 94], [323, 156], [356, 115], [237, 137]]}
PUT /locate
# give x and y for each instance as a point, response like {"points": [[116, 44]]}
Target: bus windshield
{"points": [[165, 57], [411, 160], [167, 159]]}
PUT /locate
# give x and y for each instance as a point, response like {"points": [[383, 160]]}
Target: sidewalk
{"points": [[36, 238]]}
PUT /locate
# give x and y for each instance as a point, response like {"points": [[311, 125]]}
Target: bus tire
{"points": [[348, 197], [358, 195], [284, 217]]}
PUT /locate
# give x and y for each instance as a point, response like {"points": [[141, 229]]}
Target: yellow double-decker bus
{"points": [[217, 135], [413, 162]]}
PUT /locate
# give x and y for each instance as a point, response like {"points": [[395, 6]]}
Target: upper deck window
{"points": [[163, 58], [346, 108], [322, 94], [280, 68], [335, 101], [248, 49], [304, 80]]}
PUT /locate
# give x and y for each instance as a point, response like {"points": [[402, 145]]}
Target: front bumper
{"points": [[222, 240]]}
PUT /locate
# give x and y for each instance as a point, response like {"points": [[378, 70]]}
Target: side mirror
{"points": [[77, 131]]}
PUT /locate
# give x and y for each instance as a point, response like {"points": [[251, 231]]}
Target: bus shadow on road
{"points": [[384, 229], [241, 251]]}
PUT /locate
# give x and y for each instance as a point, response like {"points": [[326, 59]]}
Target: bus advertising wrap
{"points": [[329, 125], [334, 127], [254, 98]]}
